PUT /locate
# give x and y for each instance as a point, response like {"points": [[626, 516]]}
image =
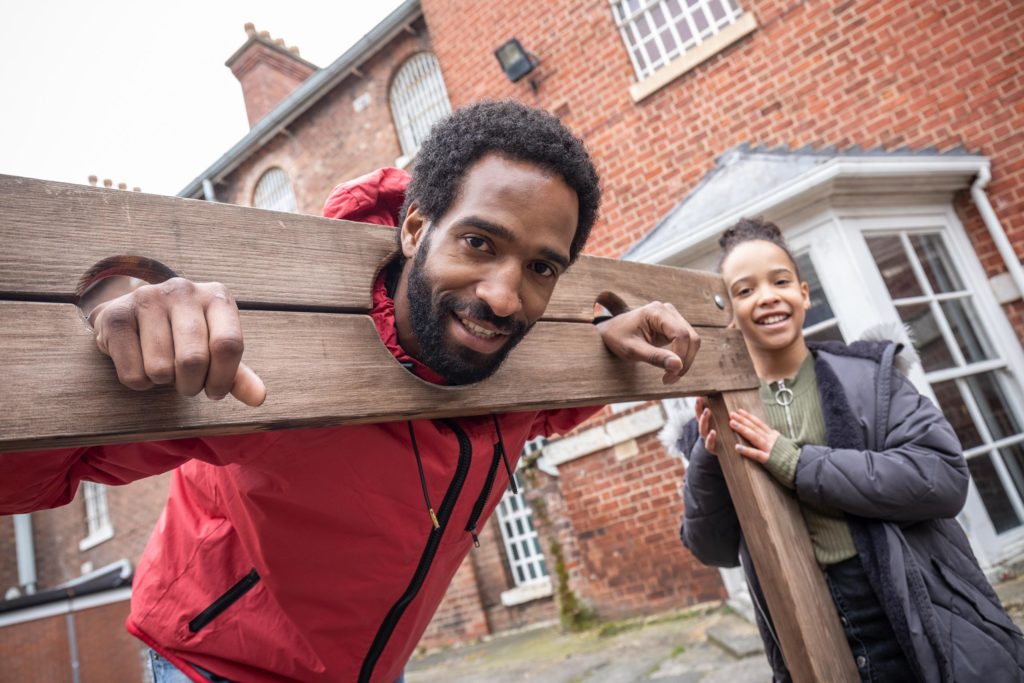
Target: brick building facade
{"points": [[867, 129]]}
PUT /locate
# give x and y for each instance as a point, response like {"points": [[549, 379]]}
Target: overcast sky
{"points": [[137, 91]]}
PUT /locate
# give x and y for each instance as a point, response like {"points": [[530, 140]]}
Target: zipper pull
{"points": [[433, 518], [784, 397], [476, 539]]}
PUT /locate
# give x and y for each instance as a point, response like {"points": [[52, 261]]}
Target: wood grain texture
{"points": [[320, 369], [269, 260], [805, 617]]}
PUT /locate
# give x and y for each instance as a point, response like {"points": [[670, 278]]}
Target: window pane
{"points": [[669, 41], [928, 339], [993, 495], [643, 29], [966, 327], [522, 577], [935, 261], [820, 309], [953, 407], [1013, 457], [894, 266], [657, 17], [993, 405], [716, 10], [274, 192]]}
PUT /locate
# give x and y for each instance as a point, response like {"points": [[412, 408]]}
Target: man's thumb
{"points": [[248, 387]]}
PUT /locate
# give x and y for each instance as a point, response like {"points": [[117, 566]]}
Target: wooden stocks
{"points": [[303, 285]]}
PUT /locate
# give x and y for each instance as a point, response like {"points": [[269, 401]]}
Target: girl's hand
{"points": [[759, 435], [706, 425]]}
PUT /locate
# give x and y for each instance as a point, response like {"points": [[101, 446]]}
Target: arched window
{"points": [[274, 192], [418, 99]]}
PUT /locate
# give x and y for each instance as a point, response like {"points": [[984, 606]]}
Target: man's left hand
{"points": [[655, 334]]}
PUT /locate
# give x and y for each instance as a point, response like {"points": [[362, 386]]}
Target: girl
{"points": [[879, 475]]}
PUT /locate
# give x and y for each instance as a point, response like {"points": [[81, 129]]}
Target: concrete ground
{"points": [[704, 645]]}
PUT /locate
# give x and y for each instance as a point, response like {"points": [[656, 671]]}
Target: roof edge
{"points": [[810, 185], [306, 95]]}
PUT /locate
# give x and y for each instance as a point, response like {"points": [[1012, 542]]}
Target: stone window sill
{"points": [[693, 57], [95, 538], [528, 593]]}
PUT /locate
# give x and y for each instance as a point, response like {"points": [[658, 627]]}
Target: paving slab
{"points": [[669, 649]]}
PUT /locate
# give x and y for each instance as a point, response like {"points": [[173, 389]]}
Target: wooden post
{"points": [[303, 285], [792, 582]]}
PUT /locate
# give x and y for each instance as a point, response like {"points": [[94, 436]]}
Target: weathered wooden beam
{"points": [[320, 369], [808, 628], [54, 232]]}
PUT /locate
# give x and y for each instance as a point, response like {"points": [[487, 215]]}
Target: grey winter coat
{"points": [[895, 467]]}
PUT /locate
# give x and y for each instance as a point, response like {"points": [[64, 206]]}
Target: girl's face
{"points": [[769, 302]]}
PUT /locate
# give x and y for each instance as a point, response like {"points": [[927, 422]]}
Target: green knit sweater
{"points": [[830, 534]]}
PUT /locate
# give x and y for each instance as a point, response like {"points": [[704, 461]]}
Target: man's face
{"points": [[480, 276]]}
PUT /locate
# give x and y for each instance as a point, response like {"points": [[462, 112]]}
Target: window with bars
{"points": [[418, 100], [657, 31], [97, 516], [969, 378], [522, 545], [274, 192]]}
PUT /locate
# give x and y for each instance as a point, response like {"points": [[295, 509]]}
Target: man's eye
{"points": [[543, 269], [476, 242]]}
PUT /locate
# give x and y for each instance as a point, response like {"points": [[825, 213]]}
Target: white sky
{"points": [[137, 91]]}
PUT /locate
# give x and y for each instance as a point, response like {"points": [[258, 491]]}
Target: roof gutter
{"points": [[995, 229], [305, 96]]}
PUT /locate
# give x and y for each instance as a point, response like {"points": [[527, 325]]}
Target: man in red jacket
{"points": [[321, 554]]}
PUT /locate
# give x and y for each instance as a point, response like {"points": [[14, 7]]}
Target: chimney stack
{"points": [[268, 71]]}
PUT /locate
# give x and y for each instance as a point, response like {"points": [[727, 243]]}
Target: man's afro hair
{"points": [[512, 130]]}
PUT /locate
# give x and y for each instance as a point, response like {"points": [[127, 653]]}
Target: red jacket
{"points": [[303, 555]]}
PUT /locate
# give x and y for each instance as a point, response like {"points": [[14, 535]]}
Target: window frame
{"points": [[412, 128], [283, 195], [97, 515]]}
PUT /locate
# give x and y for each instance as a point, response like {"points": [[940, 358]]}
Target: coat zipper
{"points": [[478, 507], [426, 559], [223, 602]]}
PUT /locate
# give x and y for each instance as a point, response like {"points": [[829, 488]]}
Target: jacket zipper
{"points": [[426, 559], [784, 397], [478, 507], [223, 602]]}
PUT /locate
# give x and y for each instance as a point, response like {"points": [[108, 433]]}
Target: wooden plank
{"points": [[268, 259], [319, 369], [805, 618]]}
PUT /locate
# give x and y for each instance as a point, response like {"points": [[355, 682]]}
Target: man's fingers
{"points": [[157, 344], [711, 442], [191, 348], [117, 336], [248, 387], [225, 344]]}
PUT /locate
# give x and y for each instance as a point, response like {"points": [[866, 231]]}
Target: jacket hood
{"points": [[376, 198]]}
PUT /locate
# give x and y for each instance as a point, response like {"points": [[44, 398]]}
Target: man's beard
{"points": [[429, 318]]}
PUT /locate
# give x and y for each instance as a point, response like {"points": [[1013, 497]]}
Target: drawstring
{"points": [[504, 458], [423, 477]]}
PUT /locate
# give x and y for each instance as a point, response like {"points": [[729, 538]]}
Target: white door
{"points": [[869, 266]]}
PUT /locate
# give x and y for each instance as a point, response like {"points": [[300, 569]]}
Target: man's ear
{"points": [[414, 229]]}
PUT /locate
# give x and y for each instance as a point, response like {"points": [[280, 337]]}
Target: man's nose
{"points": [[501, 290]]}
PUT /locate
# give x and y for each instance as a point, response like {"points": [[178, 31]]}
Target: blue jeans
{"points": [[165, 672], [876, 652]]}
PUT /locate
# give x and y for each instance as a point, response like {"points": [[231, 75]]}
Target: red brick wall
{"points": [[106, 651], [460, 617], [36, 651], [332, 142], [621, 543], [40, 651], [871, 73]]}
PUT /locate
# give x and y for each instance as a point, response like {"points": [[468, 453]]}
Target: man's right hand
{"points": [[178, 332]]}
